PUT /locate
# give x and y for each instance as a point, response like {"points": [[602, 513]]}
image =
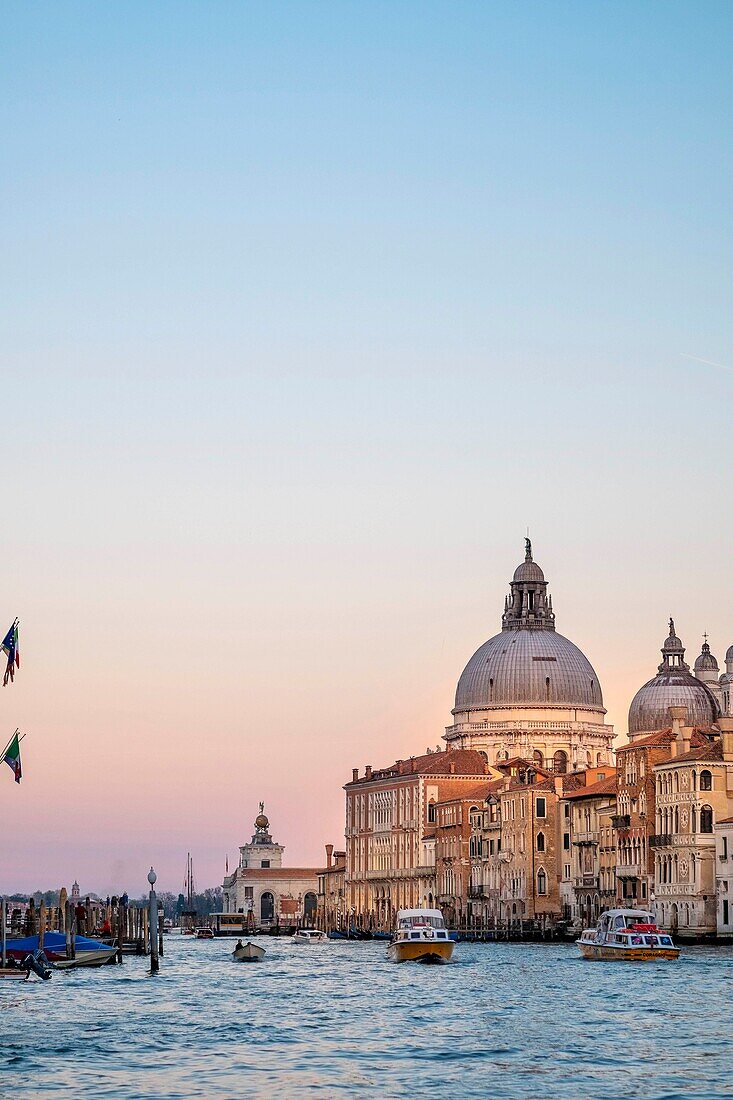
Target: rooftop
{"points": [[455, 762]]}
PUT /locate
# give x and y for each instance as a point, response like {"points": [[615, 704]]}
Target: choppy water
{"points": [[502, 1021]]}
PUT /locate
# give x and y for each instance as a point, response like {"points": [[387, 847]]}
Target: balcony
{"points": [[585, 838], [621, 821], [630, 870], [660, 840], [586, 882]]}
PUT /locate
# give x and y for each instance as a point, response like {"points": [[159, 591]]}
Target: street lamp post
{"points": [[153, 901]]}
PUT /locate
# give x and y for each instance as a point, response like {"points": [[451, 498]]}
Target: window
{"points": [[725, 912], [724, 852], [540, 807], [265, 863], [706, 781], [566, 842], [540, 842], [431, 811], [706, 819], [541, 882]]}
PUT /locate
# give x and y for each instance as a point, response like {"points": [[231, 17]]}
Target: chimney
{"points": [[726, 737], [329, 855], [354, 774], [401, 767], [686, 738], [678, 716], [452, 768], [368, 771], [558, 786]]}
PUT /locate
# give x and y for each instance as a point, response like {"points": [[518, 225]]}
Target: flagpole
{"points": [[10, 743]]}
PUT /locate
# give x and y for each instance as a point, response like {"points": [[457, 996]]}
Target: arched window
{"points": [[706, 781], [541, 882], [560, 762], [538, 758], [540, 842], [431, 811], [706, 819]]}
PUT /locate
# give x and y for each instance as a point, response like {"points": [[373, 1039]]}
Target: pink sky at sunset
{"points": [[303, 330]]}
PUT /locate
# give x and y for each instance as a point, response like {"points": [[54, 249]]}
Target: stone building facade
{"points": [[390, 831], [592, 855], [694, 789]]}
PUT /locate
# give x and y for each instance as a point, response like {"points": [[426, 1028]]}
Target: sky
{"points": [[308, 312]]}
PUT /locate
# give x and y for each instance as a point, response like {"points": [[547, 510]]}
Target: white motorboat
{"points": [[310, 935]]}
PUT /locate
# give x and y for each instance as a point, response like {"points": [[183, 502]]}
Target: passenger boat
{"points": [[248, 952], [204, 934], [627, 935], [310, 935], [87, 952], [420, 936]]}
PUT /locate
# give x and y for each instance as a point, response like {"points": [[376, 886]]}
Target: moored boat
{"points": [[627, 935], [310, 935], [204, 934], [420, 936], [87, 952], [248, 952]]}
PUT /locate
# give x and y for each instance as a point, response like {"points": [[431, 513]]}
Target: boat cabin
{"points": [[630, 928], [415, 924]]}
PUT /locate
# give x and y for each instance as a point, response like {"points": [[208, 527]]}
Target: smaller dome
{"points": [[706, 661], [729, 653], [673, 643]]}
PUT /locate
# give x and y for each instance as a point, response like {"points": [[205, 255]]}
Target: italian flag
{"points": [[12, 756]]}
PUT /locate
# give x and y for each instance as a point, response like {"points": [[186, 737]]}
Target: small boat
{"points": [[248, 952], [310, 935], [420, 936], [204, 934], [88, 952], [627, 935]]}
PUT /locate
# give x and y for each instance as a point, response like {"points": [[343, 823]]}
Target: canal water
{"points": [[501, 1021]]}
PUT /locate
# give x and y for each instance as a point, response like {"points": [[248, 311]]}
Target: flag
{"points": [[12, 648], [12, 757]]}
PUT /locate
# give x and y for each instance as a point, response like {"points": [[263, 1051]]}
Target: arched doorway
{"points": [[674, 918], [310, 904], [267, 907]]}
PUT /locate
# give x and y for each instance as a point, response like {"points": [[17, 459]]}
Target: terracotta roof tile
{"points": [[660, 739], [457, 762], [603, 786], [707, 751]]}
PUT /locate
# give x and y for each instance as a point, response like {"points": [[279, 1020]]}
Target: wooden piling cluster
{"points": [[125, 925]]}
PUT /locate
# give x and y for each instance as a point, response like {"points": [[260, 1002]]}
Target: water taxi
{"points": [[627, 935], [310, 935], [204, 934], [420, 936]]}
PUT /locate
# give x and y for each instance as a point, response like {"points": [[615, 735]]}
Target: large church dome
{"points": [[528, 664], [673, 686], [517, 668]]}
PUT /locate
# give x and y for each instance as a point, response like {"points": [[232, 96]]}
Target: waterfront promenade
{"points": [[512, 1021]]}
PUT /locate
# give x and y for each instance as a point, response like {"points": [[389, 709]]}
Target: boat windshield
{"points": [[421, 920]]}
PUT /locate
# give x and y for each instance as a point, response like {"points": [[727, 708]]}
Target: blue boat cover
{"points": [[54, 941]]}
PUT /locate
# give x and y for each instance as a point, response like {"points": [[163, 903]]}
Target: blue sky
{"points": [[308, 310]]}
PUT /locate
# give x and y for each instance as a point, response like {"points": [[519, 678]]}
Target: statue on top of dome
{"points": [[528, 549]]}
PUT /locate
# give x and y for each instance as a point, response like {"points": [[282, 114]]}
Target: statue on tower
{"points": [[528, 549]]}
